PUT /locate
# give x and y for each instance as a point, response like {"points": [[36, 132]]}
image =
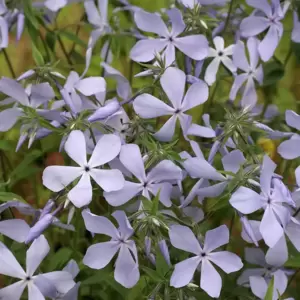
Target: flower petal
{"points": [[15, 229], [117, 198], [184, 272], [233, 161], [165, 170], [91, 86], [131, 158], [34, 293], [200, 168], [13, 291], [266, 174], [239, 57], [227, 261], [145, 50], [238, 82], [9, 117], [183, 238], [56, 178], [289, 149], [245, 200], [63, 281], [13, 89], [108, 180], [177, 21], [147, 107], [166, 132], [211, 281], [197, 94], [35, 254], [201, 131], [270, 228], [75, 146], [269, 44], [150, 22], [277, 255], [262, 5], [127, 270], [216, 238], [9, 266], [258, 286], [98, 256], [173, 84], [211, 71], [81, 194], [194, 46], [253, 25], [107, 148]]}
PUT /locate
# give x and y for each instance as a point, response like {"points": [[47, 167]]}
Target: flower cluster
{"points": [[163, 189]]}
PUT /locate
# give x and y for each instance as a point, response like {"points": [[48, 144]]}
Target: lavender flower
{"points": [[251, 72], [57, 178], [276, 215], [32, 97], [157, 179], [289, 149], [194, 46], [183, 238], [220, 55], [267, 16], [173, 84], [58, 281], [99, 255]]}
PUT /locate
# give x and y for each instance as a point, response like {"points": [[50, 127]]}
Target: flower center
{"points": [[220, 53], [87, 169], [171, 39], [203, 254], [177, 111], [28, 278]]}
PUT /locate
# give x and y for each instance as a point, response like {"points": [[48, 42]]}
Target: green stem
{"points": [[228, 16], [292, 278], [9, 64], [287, 58], [93, 136], [62, 46]]}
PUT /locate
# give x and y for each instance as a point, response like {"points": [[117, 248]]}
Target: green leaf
{"points": [[50, 40], [60, 259], [72, 37], [273, 72], [25, 167], [269, 294], [161, 265], [155, 203], [7, 196], [7, 145], [29, 13], [37, 56], [155, 276], [136, 292]]}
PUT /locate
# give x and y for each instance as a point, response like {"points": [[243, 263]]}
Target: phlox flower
{"points": [[57, 178], [194, 46], [183, 238], [173, 84], [251, 71], [266, 16], [39, 286], [158, 178], [276, 215], [99, 255]]}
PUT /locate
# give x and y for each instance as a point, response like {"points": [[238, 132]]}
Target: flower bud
{"points": [[40, 226]]}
